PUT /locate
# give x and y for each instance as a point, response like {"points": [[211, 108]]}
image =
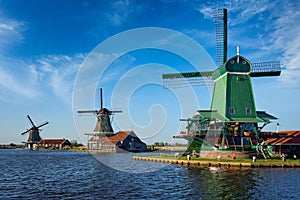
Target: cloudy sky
{"points": [[44, 44]]}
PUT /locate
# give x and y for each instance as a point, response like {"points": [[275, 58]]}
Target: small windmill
{"points": [[103, 126], [34, 134], [233, 111]]}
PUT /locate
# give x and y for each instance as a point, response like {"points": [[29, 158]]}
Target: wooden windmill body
{"points": [[34, 134], [103, 128]]}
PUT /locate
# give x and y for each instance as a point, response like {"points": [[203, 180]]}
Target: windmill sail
{"points": [[101, 100], [220, 22], [30, 120], [33, 126], [115, 111], [203, 78], [177, 80], [265, 69], [25, 132], [43, 124], [34, 136], [87, 111]]}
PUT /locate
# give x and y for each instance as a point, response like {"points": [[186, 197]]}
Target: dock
{"points": [[216, 163]]}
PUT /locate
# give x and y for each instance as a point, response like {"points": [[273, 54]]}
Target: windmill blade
{"points": [[30, 120], [101, 99], [187, 79], [25, 132], [87, 111], [115, 111], [187, 75], [184, 82], [271, 68], [220, 22], [43, 124]]}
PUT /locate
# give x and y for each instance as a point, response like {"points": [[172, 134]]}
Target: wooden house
{"points": [[118, 142]]}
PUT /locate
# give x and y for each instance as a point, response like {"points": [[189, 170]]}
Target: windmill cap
{"points": [[104, 111], [238, 64]]}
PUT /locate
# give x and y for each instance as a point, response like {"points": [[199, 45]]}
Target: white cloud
{"points": [[243, 9], [58, 72], [52, 73], [16, 81], [122, 9], [120, 13], [204, 36], [10, 85], [10, 32], [118, 69], [287, 40]]}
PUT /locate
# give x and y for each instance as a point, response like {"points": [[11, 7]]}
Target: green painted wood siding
{"points": [[219, 96], [240, 97]]}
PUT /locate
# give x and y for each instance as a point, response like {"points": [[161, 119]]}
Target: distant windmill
{"points": [[103, 126], [232, 115], [34, 134]]}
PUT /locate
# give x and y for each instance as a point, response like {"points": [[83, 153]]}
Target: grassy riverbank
{"points": [[196, 162]]}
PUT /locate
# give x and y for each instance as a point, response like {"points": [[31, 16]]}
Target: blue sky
{"points": [[43, 45]]}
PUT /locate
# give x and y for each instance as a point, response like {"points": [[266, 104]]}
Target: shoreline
{"points": [[196, 163], [17, 146]]}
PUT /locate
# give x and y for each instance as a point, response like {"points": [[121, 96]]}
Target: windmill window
{"points": [[232, 61], [244, 62], [231, 110], [248, 111]]}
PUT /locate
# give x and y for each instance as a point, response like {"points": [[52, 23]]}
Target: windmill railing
{"points": [[98, 133]]}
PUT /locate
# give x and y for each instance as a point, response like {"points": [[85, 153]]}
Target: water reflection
{"points": [[124, 162], [223, 183], [278, 183]]}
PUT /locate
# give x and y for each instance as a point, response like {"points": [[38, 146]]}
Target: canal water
{"points": [[78, 175]]}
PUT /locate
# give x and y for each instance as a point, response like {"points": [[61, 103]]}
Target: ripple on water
{"points": [[69, 175]]}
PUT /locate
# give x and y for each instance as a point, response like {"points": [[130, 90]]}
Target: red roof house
{"points": [[54, 143], [120, 141]]}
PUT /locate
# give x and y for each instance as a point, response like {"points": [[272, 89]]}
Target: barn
{"points": [[283, 142], [121, 141]]}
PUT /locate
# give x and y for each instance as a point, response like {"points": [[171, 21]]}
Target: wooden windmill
{"points": [[34, 134], [103, 126], [232, 121]]}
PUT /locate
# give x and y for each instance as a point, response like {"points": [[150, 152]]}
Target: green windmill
{"points": [[232, 124]]}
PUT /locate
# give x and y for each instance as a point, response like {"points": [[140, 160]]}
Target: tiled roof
{"points": [[120, 136], [52, 141], [285, 138], [113, 139]]}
